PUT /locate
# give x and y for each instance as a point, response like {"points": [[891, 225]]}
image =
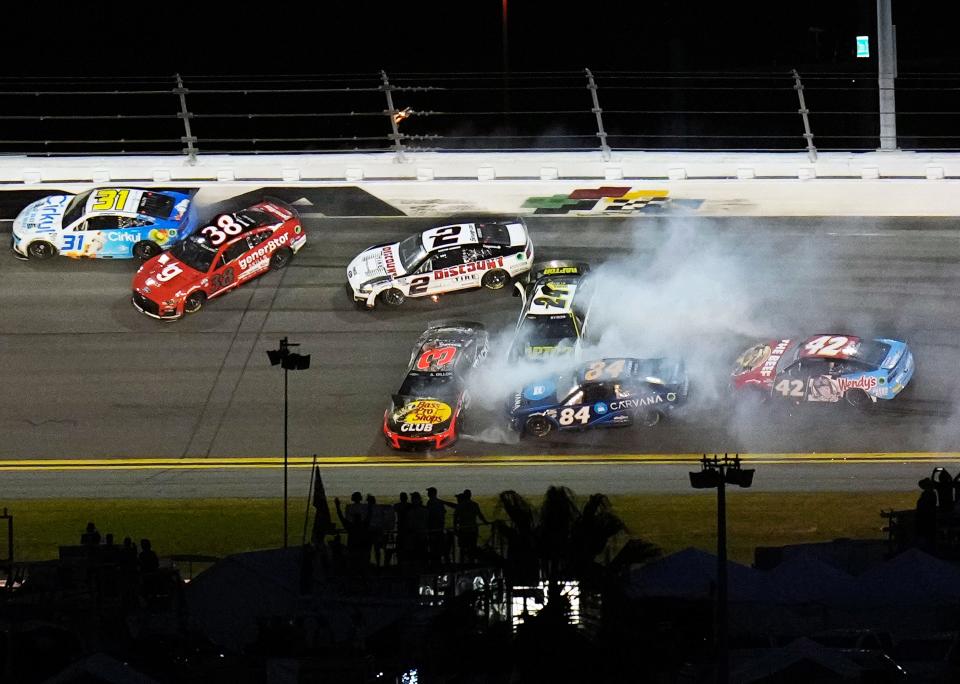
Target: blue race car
{"points": [[603, 393], [103, 223]]}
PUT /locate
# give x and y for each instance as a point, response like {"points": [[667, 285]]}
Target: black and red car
{"points": [[426, 411], [231, 250]]}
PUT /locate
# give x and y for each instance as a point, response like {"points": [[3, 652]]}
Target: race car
{"points": [[555, 312], [824, 369], [103, 223], [439, 260], [606, 392], [426, 411], [233, 249]]}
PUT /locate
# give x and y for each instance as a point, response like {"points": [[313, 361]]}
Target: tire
{"points": [[648, 419], [146, 249], [495, 280], [858, 399], [392, 297], [40, 250], [194, 302], [538, 426], [280, 258]]}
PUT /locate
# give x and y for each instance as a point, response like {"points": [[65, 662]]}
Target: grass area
{"points": [[673, 521]]}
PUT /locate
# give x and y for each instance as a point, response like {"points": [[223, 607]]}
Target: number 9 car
{"points": [[104, 223], [440, 260], [233, 249]]}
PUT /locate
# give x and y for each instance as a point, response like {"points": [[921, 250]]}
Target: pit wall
{"points": [[433, 184]]}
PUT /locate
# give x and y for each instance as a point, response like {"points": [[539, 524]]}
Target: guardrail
{"points": [[582, 110]]}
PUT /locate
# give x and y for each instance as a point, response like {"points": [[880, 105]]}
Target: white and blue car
{"points": [[103, 223]]}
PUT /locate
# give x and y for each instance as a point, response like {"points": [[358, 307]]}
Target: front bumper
{"points": [[15, 247], [150, 308], [441, 440]]}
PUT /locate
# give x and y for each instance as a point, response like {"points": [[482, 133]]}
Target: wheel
{"points": [[146, 249], [648, 418], [495, 280], [194, 302], [858, 399], [41, 249], [280, 258], [392, 297], [538, 426]]}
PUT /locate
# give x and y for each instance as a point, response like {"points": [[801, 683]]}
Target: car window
{"points": [[256, 238], [595, 392], [234, 251], [102, 223], [447, 258], [425, 267]]}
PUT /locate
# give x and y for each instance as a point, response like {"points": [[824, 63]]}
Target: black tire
{"points": [[858, 399], [194, 302], [146, 249], [495, 280], [648, 419], [280, 258], [538, 426], [40, 250], [392, 297]]}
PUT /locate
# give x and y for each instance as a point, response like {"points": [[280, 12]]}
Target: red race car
{"points": [[233, 249]]}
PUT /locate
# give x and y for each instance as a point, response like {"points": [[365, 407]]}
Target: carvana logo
{"points": [[600, 408]]}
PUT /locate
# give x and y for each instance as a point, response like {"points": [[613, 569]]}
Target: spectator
{"points": [[944, 487], [148, 558], [400, 513], [465, 525], [926, 519], [416, 530], [91, 537], [358, 533], [437, 528], [377, 524], [356, 508]]}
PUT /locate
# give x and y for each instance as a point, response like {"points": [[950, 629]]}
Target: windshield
{"points": [[547, 330], [195, 252], [872, 352], [75, 208], [412, 252], [426, 385]]}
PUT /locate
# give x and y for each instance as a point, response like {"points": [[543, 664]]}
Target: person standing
{"points": [[466, 526], [437, 547], [926, 519]]}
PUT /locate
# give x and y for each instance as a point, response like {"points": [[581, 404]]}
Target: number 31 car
{"points": [[232, 250], [824, 369], [441, 260], [104, 223]]}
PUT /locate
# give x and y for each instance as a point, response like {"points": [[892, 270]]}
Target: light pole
{"points": [[289, 361], [716, 472]]}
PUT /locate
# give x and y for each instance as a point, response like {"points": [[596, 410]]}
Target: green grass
{"points": [[673, 521]]}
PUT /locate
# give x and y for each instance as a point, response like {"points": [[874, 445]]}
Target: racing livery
{"points": [[555, 311], [440, 260], [233, 249], [426, 411], [825, 369], [606, 392], [103, 223]]}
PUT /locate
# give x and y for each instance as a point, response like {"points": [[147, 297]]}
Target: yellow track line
{"points": [[403, 461]]}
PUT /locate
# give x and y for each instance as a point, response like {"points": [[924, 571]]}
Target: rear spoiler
{"points": [[470, 325], [289, 208]]}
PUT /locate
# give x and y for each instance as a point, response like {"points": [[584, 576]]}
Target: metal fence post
{"points": [[188, 138], [392, 114], [601, 133], [804, 112]]}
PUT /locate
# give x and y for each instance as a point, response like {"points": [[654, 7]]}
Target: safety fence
{"points": [[468, 112]]}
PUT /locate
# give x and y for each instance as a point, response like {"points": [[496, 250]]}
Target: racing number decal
{"points": [[567, 415], [72, 242], [790, 388], [558, 299], [598, 368], [418, 285], [228, 227], [445, 237], [169, 272], [439, 357], [826, 345], [109, 199], [222, 280]]}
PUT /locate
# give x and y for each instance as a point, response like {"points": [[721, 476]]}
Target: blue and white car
{"points": [[103, 223], [608, 392]]}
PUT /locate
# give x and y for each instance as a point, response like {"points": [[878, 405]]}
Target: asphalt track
{"points": [[85, 376]]}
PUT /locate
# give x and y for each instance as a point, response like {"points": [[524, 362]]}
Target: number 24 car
{"points": [[233, 249]]}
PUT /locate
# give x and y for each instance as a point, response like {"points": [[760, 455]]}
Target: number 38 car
{"points": [[233, 249], [426, 411], [440, 260], [104, 223], [824, 369], [603, 393]]}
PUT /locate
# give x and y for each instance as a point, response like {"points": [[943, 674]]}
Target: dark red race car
{"points": [[233, 249]]}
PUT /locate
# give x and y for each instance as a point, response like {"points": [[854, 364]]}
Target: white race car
{"points": [[439, 260]]}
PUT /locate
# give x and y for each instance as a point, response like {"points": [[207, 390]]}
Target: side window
{"points": [[447, 258], [256, 238], [234, 251], [425, 267], [595, 392], [102, 223]]}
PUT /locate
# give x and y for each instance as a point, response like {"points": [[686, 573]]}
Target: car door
{"points": [[224, 271], [446, 273], [790, 385], [90, 237]]}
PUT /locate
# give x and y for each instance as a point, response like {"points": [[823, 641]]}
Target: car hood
{"points": [[43, 217], [416, 412], [535, 396], [759, 363], [165, 277], [381, 261]]}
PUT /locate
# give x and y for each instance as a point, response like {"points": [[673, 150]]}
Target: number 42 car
{"points": [[233, 249], [104, 223]]}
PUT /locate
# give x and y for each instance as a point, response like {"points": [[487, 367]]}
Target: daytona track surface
{"points": [[84, 375]]}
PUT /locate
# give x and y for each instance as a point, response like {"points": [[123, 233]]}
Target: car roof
{"points": [[466, 236], [848, 350], [546, 288]]}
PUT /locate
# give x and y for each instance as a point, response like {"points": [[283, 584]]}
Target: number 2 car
{"points": [[824, 369], [440, 260], [104, 223], [607, 392], [426, 411], [235, 248]]}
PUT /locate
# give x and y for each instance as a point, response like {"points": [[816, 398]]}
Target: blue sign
{"points": [[863, 46]]}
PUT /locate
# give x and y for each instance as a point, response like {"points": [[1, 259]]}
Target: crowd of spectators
{"points": [[937, 523]]}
